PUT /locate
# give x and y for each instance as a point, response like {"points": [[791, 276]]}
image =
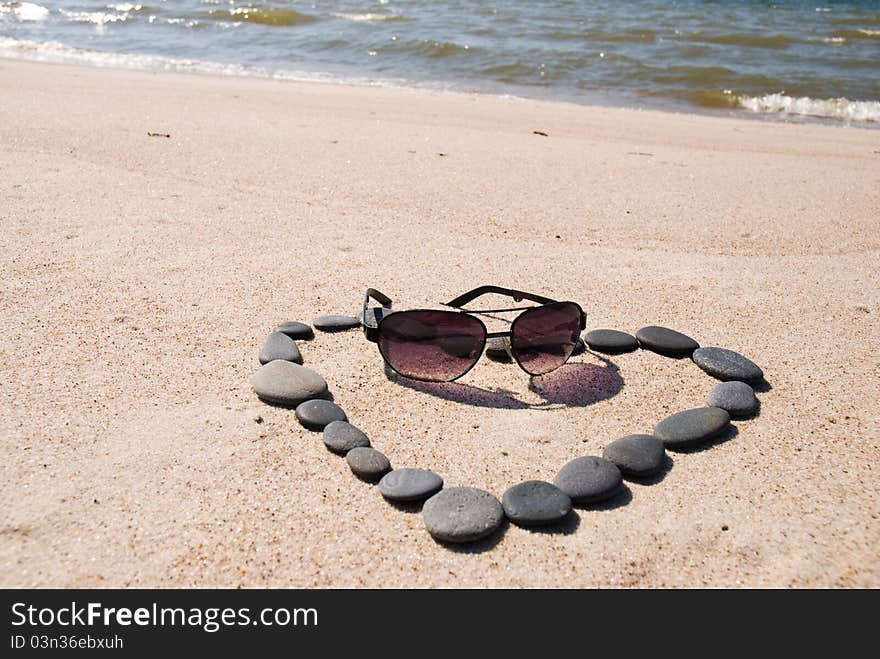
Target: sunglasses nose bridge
{"points": [[498, 349]]}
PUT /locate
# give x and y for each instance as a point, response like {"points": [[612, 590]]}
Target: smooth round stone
{"points": [[636, 455], [726, 364], [534, 503], [589, 479], [579, 348], [691, 427], [296, 330], [316, 414], [496, 349], [611, 341], [286, 383], [280, 346], [666, 341], [367, 463], [737, 398], [462, 514], [341, 437], [336, 323], [410, 484]]}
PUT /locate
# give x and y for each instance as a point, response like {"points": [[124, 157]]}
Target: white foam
{"points": [[834, 40], [832, 108], [96, 17], [125, 6], [871, 33], [24, 11], [54, 52], [369, 18]]}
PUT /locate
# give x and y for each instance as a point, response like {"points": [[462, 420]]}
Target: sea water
{"points": [[794, 58]]}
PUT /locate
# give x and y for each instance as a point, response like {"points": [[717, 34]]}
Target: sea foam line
{"points": [[54, 52], [831, 108]]}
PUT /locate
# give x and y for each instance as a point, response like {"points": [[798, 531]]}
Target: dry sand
{"points": [[141, 274]]}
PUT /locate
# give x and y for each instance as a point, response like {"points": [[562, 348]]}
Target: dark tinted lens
{"points": [[543, 338], [431, 345]]}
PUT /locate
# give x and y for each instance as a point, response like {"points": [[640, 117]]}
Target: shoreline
{"points": [[142, 275], [598, 98]]}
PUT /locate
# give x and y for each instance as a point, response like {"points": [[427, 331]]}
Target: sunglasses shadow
{"points": [[571, 385]]}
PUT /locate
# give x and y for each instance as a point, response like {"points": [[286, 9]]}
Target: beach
{"points": [[141, 274]]}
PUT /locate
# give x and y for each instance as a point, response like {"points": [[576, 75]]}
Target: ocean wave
{"points": [[745, 40], [371, 18], [262, 16], [97, 17], [862, 33], [24, 11], [831, 108], [54, 52]]}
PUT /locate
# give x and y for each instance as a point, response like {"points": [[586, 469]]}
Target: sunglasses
{"points": [[440, 346]]}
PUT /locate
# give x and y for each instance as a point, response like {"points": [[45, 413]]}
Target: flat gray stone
{"points": [[589, 479], [336, 323], [462, 514], [316, 414], [286, 383], [579, 348], [726, 364], [636, 455], [280, 346], [738, 398], [296, 330], [692, 427], [367, 463], [534, 503], [611, 341], [410, 484], [340, 437], [496, 349], [666, 341]]}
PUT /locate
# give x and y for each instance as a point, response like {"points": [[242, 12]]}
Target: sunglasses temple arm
{"points": [[470, 296], [371, 332]]}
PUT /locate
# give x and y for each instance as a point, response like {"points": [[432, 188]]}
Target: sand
{"points": [[141, 274]]}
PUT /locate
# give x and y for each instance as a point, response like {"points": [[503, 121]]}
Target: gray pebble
{"points": [[316, 414], [579, 348], [410, 484], [611, 341], [692, 427], [367, 463], [666, 341], [737, 398], [336, 323], [341, 437], [285, 383], [726, 364], [589, 479], [462, 514], [534, 503], [280, 346], [636, 455], [296, 330]]}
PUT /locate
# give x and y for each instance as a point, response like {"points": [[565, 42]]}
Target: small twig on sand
{"points": [[540, 132], [158, 135], [638, 153]]}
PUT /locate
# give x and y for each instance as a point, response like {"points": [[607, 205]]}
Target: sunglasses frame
{"points": [[372, 327]]}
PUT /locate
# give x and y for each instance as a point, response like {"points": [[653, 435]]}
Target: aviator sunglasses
{"points": [[436, 345]]}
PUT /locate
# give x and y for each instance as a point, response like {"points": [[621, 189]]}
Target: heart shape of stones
{"points": [[468, 514]]}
